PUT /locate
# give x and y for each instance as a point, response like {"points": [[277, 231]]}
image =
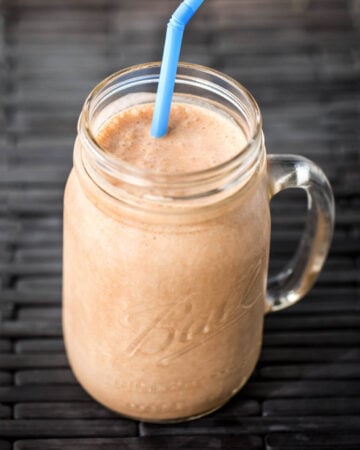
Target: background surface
{"points": [[301, 60]]}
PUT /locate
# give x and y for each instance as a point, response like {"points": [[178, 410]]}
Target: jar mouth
{"points": [[210, 81]]}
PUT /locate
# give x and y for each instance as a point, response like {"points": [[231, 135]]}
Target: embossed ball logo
{"points": [[175, 329]]}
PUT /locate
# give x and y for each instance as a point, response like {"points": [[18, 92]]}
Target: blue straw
{"points": [[172, 47]]}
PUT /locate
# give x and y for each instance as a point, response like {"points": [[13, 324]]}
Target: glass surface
{"points": [[165, 277]]}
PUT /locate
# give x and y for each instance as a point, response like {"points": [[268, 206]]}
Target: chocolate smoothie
{"points": [[197, 139], [162, 320]]}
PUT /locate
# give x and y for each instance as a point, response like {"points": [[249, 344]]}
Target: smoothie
{"points": [[164, 321]]}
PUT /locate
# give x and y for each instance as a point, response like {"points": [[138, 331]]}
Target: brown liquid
{"points": [[164, 321], [197, 139]]}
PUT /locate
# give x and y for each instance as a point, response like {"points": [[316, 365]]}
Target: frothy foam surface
{"points": [[198, 138], [163, 320]]}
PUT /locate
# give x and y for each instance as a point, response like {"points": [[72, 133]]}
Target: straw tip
{"points": [[158, 132]]}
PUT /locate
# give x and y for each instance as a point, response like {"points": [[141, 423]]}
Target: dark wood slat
{"points": [[33, 6], [7, 310], [344, 216], [56, 147], [305, 446], [61, 410], [332, 265], [31, 237], [26, 75], [17, 394], [294, 41], [33, 200], [295, 389], [22, 224], [94, 410], [30, 255], [39, 268], [16, 224], [5, 412], [146, 443], [5, 445], [308, 322], [47, 284], [312, 371], [5, 378], [47, 176], [17, 329], [89, 410], [23, 361], [5, 345], [67, 428], [327, 300], [312, 338], [36, 5], [311, 354], [43, 345], [336, 277], [68, 18], [45, 376], [321, 441], [262, 425], [312, 407], [31, 297], [39, 313], [239, 407]]}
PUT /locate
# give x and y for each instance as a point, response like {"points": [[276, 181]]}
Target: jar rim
{"points": [[146, 177]]}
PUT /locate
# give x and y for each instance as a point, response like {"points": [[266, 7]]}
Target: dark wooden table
{"points": [[301, 60]]}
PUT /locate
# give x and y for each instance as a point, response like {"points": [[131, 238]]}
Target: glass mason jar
{"points": [[165, 275]]}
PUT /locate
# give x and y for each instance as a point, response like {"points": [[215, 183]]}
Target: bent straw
{"points": [[172, 47]]}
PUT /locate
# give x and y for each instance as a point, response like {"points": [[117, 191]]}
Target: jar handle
{"points": [[292, 283]]}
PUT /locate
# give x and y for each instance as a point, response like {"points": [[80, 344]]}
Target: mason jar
{"points": [[165, 275]]}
